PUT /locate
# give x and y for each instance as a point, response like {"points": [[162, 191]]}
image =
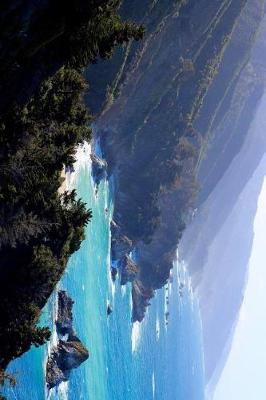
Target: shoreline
{"points": [[63, 187]]}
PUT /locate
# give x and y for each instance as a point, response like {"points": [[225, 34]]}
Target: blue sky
{"points": [[244, 376]]}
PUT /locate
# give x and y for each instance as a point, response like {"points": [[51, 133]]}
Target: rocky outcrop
{"points": [[140, 300], [64, 317], [69, 352], [128, 270], [121, 245], [66, 356], [99, 167], [113, 273], [109, 310]]}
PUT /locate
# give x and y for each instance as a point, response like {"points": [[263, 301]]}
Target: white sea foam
{"points": [[123, 290], [135, 336], [169, 289], [153, 384], [158, 327], [47, 393], [190, 290], [53, 341], [106, 197], [62, 391], [83, 156], [54, 337], [83, 159], [111, 284], [113, 289], [130, 304], [166, 298], [57, 393]]}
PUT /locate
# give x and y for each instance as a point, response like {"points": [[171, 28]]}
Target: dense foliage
{"points": [[42, 120], [37, 38], [39, 227]]}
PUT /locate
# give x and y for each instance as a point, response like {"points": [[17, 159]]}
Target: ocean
{"points": [[147, 361]]}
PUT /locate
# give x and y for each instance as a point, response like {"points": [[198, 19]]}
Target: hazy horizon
{"points": [[238, 379]]}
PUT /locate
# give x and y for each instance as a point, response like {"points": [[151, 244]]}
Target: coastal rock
{"points": [[69, 352], [109, 310], [99, 167], [121, 245], [140, 300], [128, 270], [54, 374], [64, 316], [66, 356], [113, 273]]}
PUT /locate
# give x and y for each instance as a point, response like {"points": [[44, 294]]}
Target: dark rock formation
{"points": [[128, 270], [99, 167], [64, 317], [69, 353], [140, 299], [66, 356], [121, 245], [109, 310], [113, 273]]}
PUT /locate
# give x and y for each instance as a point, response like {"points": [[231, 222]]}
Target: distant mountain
{"points": [[225, 273], [217, 245]]}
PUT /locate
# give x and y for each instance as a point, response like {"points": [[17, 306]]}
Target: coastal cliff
{"points": [[174, 114], [188, 71]]}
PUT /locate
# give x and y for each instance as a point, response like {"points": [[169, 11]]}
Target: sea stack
{"points": [[69, 352]]}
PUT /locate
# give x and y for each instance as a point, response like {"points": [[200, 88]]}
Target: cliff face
{"points": [[155, 133]]}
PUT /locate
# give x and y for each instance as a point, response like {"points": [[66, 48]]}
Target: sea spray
{"points": [[153, 385], [135, 336], [158, 327]]}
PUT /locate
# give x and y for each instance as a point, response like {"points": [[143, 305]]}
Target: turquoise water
{"points": [[146, 361]]}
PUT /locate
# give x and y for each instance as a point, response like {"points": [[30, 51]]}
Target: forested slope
{"points": [[44, 47], [157, 131]]}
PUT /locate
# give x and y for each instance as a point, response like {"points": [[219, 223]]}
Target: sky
{"points": [[244, 375]]}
